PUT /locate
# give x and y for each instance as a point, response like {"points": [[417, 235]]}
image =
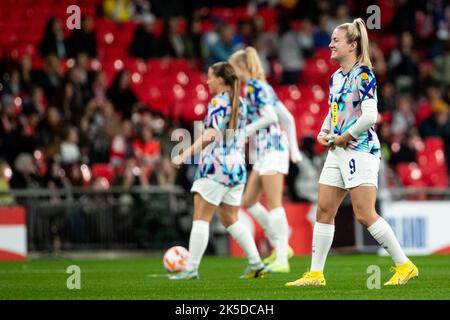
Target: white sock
{"points": [[244, 238], [198, 241], [260, 213], [382, 232], [322, 239], [280, 227]]}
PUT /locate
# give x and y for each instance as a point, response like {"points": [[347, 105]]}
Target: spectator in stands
{"points": [[121, 95], [5, 175], [53, 40], [118, 10], [172, 40], [247, 31], [49, 79], [437, 102], [403, 63], [165, 172], [35, 103], [66, 102], [147, 149], [193, 39], [132, 175], [378, 61], [25, 173], [441, 72], [8, 125], [434, 125], [99, 88], [121, 146], [84, 39], [11, 85], [403, 118], [292, 48], [342, 16], [322, 36], [70, 151], [55, 177], [145, 44], [266, 43], [386, 98], [405, 151], [49, 132], [104, 124], [220, 48], [26, 74], [81, 93]]}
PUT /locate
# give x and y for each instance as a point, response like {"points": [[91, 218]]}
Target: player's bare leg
{"points": [[198, 240], [240, 233], [329, 200], [363, 201]]}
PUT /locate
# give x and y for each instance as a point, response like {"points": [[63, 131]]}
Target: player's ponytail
{"points": [[254, 64], [357, 31], [248, 58], [235, 104], [225, 71]]}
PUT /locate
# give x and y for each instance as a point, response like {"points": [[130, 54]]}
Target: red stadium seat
{"points": [[433, 163], [410, 174], [103, 170]]}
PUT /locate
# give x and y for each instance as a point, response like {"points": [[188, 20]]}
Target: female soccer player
{"points": [[272, 154], [222, 173], [353, 159]]}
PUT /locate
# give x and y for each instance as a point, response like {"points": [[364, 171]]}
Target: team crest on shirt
{"points": [[250, 89], [364, 77]]}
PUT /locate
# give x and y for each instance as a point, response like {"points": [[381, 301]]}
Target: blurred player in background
{"points": [[354, 157], [222, 173], [266, 111]]}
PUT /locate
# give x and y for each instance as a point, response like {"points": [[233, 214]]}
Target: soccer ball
{"points": [[175, 259]]}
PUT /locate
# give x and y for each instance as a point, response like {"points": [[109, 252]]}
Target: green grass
{"points": [[145, 278]]}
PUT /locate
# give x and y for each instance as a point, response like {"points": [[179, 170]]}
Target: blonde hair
{"points": [[249, 58], [356, 31], [225, 71]]}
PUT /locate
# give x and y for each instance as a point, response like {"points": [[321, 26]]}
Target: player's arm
{"points": [[267, 117], [205, 139], [288, 123], [260, 98], [324, 137]]}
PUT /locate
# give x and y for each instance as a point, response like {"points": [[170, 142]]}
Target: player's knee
{"points": [[325, 214], [228, 220], [248, 203]]}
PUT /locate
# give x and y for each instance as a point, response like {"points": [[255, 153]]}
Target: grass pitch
{"points": [[146, 278]]}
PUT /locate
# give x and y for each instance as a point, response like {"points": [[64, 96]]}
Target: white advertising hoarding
{"points": [[422, 227]]}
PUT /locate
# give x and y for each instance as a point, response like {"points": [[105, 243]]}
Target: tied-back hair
{"points": [[249, 58], [356, 31], [225, 71]]}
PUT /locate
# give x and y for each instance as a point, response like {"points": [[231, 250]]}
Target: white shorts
{"points": [[277, 161], [346, 169], [216, 193]]}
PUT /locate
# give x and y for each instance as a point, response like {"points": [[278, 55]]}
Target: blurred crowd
{"points": [[57, 122]]}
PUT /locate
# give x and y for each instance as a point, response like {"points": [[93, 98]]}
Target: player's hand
{"points": [[177, 161], [296, 156], [341, 141], [325, 139]]}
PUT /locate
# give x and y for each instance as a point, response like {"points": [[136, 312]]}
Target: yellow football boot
{"points": [[403, 273], [273, 256], [309, 278]]}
